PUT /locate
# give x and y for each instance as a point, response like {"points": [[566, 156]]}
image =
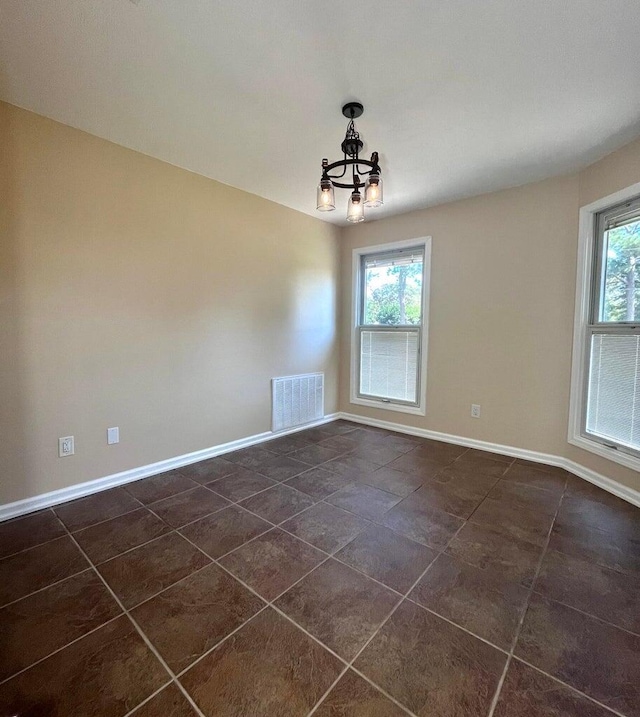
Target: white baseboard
{"points": [[81, 490], [611, 486]]}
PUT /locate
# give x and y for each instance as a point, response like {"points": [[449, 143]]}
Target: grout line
{"points": [[50, 585], [403, 598], [586, 614], [59, 649], [455, 624], [569, 687], [146, 640], [516, 635], [149, 698]]}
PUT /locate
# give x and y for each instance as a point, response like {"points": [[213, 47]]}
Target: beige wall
{"points": [[139, 295], [502, 305]]}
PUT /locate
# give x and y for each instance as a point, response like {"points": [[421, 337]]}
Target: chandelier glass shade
{"points": [[346, 173]]}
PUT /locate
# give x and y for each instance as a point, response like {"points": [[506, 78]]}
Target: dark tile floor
{"points": [[341, 571]]}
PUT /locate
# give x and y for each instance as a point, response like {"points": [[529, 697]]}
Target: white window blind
{"points": [[389, 364], [613, 400]]}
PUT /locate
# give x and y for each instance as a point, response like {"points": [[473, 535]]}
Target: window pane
{"points": [[621, 284], [613, 408], [389, 364], [393, 290]]}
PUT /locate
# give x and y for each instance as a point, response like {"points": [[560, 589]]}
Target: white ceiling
{"points": [[461, 96]]}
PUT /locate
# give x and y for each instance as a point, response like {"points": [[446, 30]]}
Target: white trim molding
{"points": [[584, 274], [611, 486], [82, 490], [420, 409]]}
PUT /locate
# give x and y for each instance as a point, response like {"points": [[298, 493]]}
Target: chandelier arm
{"points": [[347, 162]]}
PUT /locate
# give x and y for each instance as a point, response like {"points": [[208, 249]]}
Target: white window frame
{"points": [[356, 284], [587, 238]]}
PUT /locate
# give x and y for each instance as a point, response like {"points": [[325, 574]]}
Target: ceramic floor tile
{"points": [[481, 601], [612, 550], [477, 454], [278, 503], [527, 475], [190, 618], [289, 672], [452, 497], [355, 697], [478, 475], [106, 540], [526, 496], [513, 521], [318, 483], [27, 532], [340, 443], [39, 567], [289, 444], [142, 572], [607, 594], [393, 481], [555, 470], [431, 666], [340, 427], [339, 606], [241, 485], [611, 515], [439, 450], [272, 562], [150, 490], [224, 531], [325, 526], [170, 702], [188, 506], [35, 626], [598, 659], [419, 464], [281, 468], [252, 458], [380, 453], [416, 520], [101, 506], [363, 500], [388, 557], [315, 454], [486, 548], [204, 472], [105, 674], [351, 466], [528, 693]]}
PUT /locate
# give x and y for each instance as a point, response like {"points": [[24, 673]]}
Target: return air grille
{"points": [[297, 400]]}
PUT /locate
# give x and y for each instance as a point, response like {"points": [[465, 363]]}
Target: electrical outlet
{"points": [[475, 410], [66, 446], [113, 435]]}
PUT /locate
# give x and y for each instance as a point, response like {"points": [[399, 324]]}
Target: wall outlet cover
{"points": [[66, 446]]}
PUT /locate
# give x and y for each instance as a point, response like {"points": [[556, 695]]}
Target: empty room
{"points": [[319, 358]]}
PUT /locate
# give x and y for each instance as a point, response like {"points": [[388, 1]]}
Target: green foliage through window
{"points": [[621, 300], [393, 295]]}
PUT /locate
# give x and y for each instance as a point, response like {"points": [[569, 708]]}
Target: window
{"points": [[609, 409], [388, 366]]}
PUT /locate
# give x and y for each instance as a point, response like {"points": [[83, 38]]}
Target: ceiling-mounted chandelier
{"points": [[351, 147]]}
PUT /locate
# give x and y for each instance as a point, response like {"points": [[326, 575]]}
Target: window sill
{"points": [[396, 407], [624, 459]]}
